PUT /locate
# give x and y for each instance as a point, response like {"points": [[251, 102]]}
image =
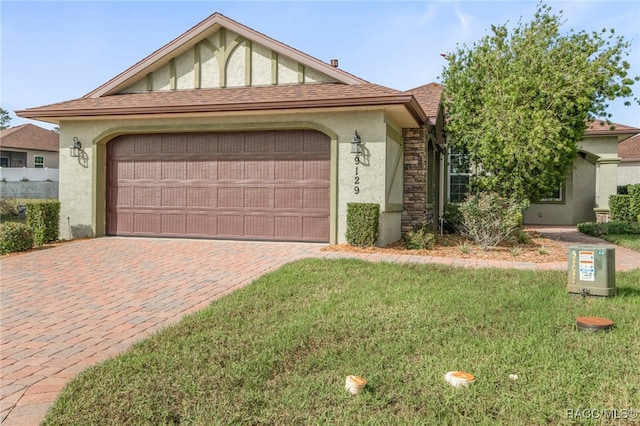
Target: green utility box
{"points": [[592, 270]]}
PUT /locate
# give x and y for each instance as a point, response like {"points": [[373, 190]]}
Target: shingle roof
{"points": [[428, 97], [629, 149], [256, 98], [599, 127], [30, 136]]}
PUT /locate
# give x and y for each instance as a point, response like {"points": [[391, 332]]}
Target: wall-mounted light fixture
{"points": [[74, 150], [356, 144]]}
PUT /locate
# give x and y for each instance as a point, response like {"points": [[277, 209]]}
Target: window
{"points": [[556, 196], [38, 161], [4, 161], [459, 175]]}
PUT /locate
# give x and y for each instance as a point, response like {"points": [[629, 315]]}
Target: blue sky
{"points": [[56, 51]]}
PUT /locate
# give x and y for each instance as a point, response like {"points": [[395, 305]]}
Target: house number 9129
{"points": [[356, 178]]}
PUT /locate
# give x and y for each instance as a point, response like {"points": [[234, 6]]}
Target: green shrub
{"points": [[489, 218], [15, 237], [634, 201], [420, 237], [362, 224], [609, 228], [452, 218], [43, 220], [620, 208]]}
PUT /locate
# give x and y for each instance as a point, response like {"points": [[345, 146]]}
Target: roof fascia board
{"points": [[210, 25], [408, 101]]}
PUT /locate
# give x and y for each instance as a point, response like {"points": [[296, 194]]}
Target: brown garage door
{"points": [[271, 185]]}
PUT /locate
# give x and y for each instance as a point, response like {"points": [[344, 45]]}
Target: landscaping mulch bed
{"points": [[538, 249]]}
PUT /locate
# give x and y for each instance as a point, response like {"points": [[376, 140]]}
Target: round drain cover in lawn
{"points": [[594, 324]]}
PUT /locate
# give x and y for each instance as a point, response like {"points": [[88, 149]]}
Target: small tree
{"points": [[5, 119], [518, 102]]}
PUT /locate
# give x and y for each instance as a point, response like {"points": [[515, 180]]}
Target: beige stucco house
{"points": [[227, 133], [585, 195]]}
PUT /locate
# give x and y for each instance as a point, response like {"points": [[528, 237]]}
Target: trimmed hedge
{"points": [[14, 237], [634, 201], [620, 208], [43, 219], [362, 224], [609, 228]]}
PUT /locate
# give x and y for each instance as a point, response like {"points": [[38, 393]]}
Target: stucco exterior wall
{"points": [[591, 181], [83, 180], [628, 172]]}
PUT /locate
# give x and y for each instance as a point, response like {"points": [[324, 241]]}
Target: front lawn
{"points": [[629, 241], [277, 352]]}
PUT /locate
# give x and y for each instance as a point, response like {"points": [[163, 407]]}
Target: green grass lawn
{"points": [[629, 241], [277, 352]]}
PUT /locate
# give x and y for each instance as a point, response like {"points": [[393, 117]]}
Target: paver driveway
{"points": [[72, 306]]}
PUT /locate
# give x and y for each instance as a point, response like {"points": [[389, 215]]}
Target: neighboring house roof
{"points": [[629, 149], [600, 127], [428, 97], [340, 90], [30, 137]]}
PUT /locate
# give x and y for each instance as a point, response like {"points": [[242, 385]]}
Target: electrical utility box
{"points": [[592, 270]]}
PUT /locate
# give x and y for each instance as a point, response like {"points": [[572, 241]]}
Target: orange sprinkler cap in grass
{"points": [[459, 378]]}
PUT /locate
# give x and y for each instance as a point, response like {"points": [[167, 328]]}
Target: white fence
{"points": [[17, 174]]}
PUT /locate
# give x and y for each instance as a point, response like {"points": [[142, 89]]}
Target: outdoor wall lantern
{"points": [[74, 150], [356, 144]]}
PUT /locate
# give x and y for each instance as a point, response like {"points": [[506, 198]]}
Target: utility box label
{"points": [[586, 266]]}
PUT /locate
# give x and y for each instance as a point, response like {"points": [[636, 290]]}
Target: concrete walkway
{"points": [[75, 305]]}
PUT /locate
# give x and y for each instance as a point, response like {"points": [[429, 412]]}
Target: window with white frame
{"points": [[38, 161], [556, 196], [459, 175]]}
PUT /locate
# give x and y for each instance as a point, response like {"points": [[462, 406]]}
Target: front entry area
{"points": [[266, 185]]}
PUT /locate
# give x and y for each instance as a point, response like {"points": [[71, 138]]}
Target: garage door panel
{"points": [[314, 228], [258, 198], [314, 198], [286, 227], [258, 226], [173, 224], [147, 170], [288, 198], [146, 196], [146, 223], [247, 185], [230, 170], [173, 197], [201, 225]]}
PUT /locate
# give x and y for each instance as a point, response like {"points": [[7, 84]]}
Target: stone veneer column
{"points": [[415, 178]]}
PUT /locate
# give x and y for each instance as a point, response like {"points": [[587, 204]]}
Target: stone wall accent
{"points": [[415, 179]]}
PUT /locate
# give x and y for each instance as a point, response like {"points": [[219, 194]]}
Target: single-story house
{"points": [[227, 133], [30, 146], [629, 167], [585, 195]]}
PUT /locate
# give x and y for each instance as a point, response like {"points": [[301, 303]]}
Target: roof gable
{"points": [[220, 52], [30, 137]]}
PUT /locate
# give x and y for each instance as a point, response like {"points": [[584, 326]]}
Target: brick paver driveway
{"points": [[75, 305]]}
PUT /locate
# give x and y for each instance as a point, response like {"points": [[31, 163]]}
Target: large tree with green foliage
{"points": [[5, 119], [519, 100]]}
